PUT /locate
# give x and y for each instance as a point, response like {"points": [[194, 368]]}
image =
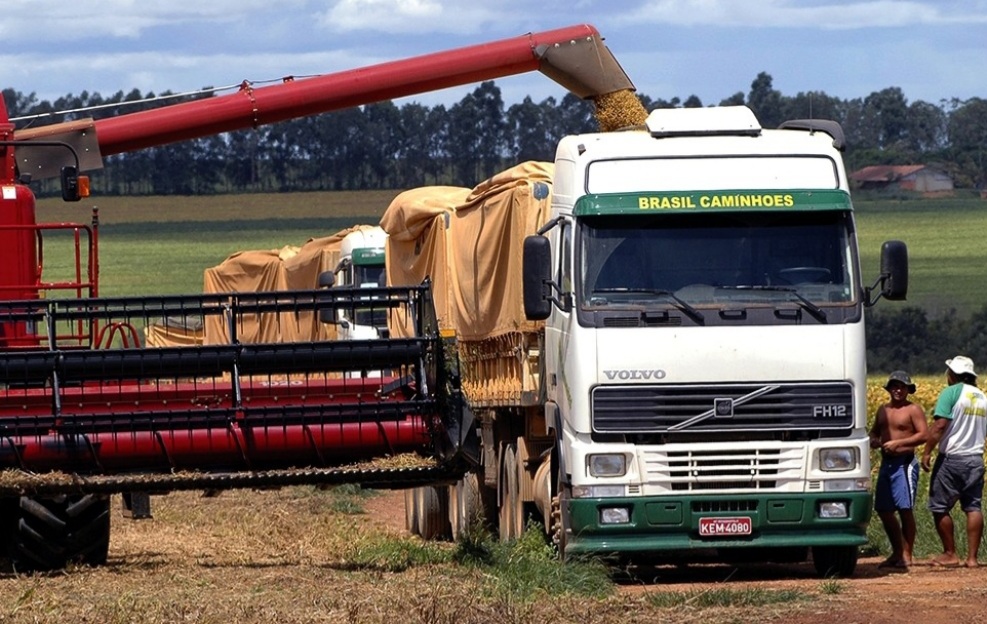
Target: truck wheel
{"points": [[834, 561], [50, 533], [511, 513], [465, 505], [560, 522], [433, 512], [411, 512]]}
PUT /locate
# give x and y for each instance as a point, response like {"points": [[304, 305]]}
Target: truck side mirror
{"points": [[894, 270], [537, 270], [893, 280], [327, 279]]}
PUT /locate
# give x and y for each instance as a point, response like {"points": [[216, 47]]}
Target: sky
{"points": [[933, 50]]}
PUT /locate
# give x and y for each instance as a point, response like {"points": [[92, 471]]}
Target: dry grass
{"points": [[290, 556]]}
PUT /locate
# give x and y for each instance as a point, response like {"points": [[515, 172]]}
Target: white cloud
{"points": [[33, 21], [833, 15], [411, 16]]}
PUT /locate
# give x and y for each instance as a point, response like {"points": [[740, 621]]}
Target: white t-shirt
{"points": [[965, 407]]}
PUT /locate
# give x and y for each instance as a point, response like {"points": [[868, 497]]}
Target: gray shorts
{"points": [[956, 478]]}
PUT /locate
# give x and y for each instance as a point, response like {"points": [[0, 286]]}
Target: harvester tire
{"points": [[51, 533], [433, 512], [8, 518]]}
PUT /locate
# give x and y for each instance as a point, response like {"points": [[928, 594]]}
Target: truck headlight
{"points": [[607, 465], [837, 459], [833, 509]]}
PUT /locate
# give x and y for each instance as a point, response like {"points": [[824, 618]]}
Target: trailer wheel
{"points": [[51, 533], [432, 503], [834, 561], [411, 512], [511, 513], [465, 505]]}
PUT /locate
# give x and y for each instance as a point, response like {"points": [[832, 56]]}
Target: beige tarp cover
{"points": [[291, 268], [244, 271], [163, 335], [487, 237], [416, 222], [481, 258]]}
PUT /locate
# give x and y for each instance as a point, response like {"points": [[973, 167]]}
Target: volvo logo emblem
{"points": [[635, 374], [723, 408]]}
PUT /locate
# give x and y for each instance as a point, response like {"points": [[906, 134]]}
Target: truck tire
{"points": [[835, 561], [511, 514], [560, 522], [432, 503], [465, 505], [50, 533], [411, 512]]}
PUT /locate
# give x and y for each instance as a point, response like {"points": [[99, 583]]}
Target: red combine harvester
{"points": [[88, 407]]}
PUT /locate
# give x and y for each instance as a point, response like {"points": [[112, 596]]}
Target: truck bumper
{"points": [[669, 526]]}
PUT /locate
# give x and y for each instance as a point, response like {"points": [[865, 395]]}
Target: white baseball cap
{"points": [[961, 365]]}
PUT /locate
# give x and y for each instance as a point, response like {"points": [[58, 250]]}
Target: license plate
{"points": [[721, 527]]}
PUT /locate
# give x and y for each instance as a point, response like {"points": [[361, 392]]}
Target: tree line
{"points": [[907, 338], [385, 146]]}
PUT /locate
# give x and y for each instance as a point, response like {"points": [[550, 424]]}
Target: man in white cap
{"points": [[959, 428]]}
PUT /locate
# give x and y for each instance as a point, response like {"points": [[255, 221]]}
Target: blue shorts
{"points": [[897, 481], [956, 478]]}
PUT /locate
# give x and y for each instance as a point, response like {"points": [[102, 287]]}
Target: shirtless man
{"points": [[899, 428]]}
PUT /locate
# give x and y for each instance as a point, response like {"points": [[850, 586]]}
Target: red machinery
{"points": [[87, 408]]}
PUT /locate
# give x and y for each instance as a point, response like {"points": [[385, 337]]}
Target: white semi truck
{"points": [[704, 360], [361, 265]]}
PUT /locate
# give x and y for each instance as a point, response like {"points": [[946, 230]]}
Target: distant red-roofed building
{"points": [[917, 178]]}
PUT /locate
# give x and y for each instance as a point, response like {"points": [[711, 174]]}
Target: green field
{"points": [[947, 249], [163, 244]]}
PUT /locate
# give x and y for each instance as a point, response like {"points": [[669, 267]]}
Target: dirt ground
{"points": [[921, 594], [275, 556]]}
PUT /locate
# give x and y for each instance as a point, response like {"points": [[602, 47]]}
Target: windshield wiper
{"points": [[812, 308], [681, 304]]}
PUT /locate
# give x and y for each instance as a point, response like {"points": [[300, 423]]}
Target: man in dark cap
{"points": [[898, 428], [958, 432]]}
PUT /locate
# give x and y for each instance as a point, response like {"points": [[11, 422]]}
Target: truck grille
{"points": [[702, 470], [726, 408]]}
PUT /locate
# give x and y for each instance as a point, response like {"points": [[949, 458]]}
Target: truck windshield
{"points": [[368, 275], [709, 259]]}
